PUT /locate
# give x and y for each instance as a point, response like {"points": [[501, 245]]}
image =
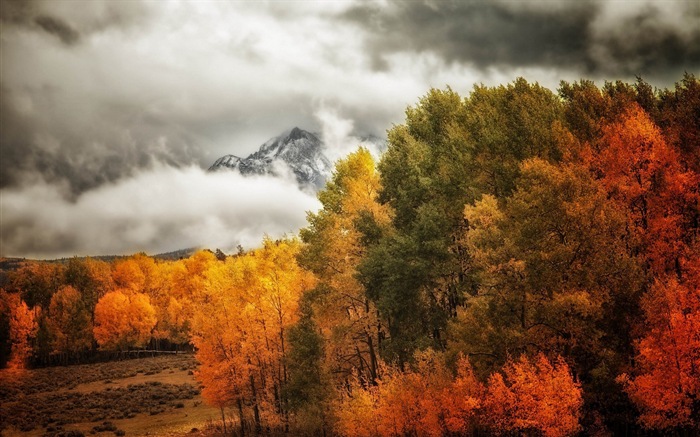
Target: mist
{"points": [[156, 210]]}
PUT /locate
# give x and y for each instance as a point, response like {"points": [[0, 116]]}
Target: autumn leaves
{"points": [[532, 395]]}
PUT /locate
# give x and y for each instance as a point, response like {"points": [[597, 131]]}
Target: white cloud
{"points": [[156, 210], [338, 138]]}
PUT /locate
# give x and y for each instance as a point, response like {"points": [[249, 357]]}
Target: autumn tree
{"points": [[666, 383], [425, 399], [679, 120], [5, 311], [123, 320], [70, 322], [23, 328], [534, 395], [91, 278], [248, 305], [553, 269], [643, 173], [449, 152], [36, 282], [174, 323], [336, 241]]}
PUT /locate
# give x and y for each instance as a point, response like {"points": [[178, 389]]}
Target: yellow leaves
{"points": [[239, 329], [69, 321], [356, 411]]}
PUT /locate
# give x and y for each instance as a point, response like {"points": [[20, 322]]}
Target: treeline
{"points": [[518, 262], [65, 312]]}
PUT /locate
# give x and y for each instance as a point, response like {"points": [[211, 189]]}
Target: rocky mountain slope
{"points": [[297, 150]]}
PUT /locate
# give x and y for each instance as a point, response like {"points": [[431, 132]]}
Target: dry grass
{"points": [[153, 396]]}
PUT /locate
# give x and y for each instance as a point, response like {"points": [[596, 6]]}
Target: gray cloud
{"points": [[188, 84], [43, 139], [68, 20], [590, 36], [653, 40], [57, 27]]}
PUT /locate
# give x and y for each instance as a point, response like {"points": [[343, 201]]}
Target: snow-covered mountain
{"points": [[297, 150]]}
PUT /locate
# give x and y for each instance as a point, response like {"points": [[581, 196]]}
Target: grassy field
{"points": [[145, 396]]}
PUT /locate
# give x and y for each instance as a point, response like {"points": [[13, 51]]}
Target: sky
{"points": [[111, 110]]}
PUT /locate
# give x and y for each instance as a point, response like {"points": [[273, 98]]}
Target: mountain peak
{"points": [[296, 133], [299, 150]]}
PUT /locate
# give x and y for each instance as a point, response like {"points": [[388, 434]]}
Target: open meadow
{"points": [[143, 396]]}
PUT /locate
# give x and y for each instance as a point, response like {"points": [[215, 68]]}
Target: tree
{"points": [[127, 275], [425, 400], [248, 304], [309, 388], [553, 269], [174, 323], [449, 153], [535, 395], [666, 384], [643, 173], [23, 329], [91, 278], [123, 320], [36, 282], [679, 109], [335, 245], [70, 322], [5, 313]]}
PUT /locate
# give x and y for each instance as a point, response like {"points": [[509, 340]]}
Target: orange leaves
{"points": [[23, 329], [123, 320], [642, 172], [248, 304], [667, 386], [535, 395]]}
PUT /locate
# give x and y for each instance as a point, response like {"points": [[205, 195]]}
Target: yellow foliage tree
{"points": [[334, 237], [69, 322], [247, 305]]}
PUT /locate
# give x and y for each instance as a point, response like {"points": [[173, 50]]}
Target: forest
{"points": [[519, 261]]}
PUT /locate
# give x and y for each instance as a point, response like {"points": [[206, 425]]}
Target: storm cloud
{"points": [[96, 95], [647, 38]]}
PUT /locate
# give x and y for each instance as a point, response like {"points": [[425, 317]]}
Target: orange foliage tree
{"points": [[643, 173], [425, 401], [535, 395], [667, 386], [123, 320], [23, 329]]}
